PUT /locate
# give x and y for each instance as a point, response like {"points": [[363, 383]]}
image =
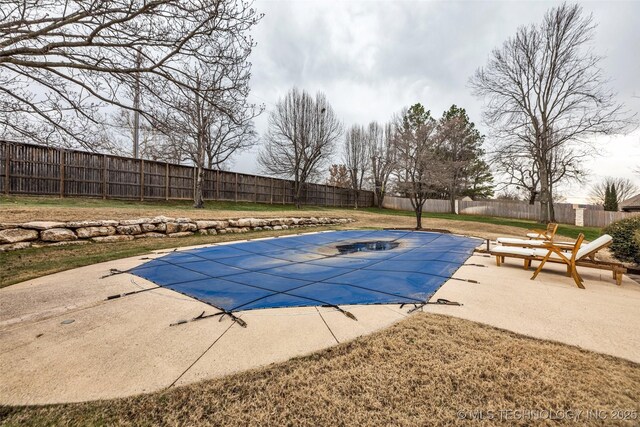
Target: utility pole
{"points": [[136, 112]]}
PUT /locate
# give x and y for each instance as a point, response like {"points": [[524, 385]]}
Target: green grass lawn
{"points": [[572, 231]]}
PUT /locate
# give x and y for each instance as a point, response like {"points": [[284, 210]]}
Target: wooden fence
{"points": [[38, 170], [593, 216]]}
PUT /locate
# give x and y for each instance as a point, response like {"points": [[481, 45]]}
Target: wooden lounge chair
{"points": [[532, 243], [579, 256], [547, 234]]}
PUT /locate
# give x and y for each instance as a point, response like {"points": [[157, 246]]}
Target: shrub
{"points": [[626, 239]]}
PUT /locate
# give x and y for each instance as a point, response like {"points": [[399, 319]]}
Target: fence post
{"points": [[166, 181], [195, 180], [141, 180], [283, 191], [271, 192], [255, 189], [579, 220], [236, 190], [61, 151], [7, 168], [104, 176], [217, 184]]}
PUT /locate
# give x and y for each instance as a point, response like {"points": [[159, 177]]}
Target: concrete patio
{"points": [[61, 341]]}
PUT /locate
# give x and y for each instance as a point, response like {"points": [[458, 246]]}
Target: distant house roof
{"points": [[632, 204]]}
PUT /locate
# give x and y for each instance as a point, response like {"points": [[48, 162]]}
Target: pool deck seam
{"points": [[200, 357]]}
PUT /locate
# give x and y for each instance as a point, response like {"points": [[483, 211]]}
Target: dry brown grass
{"points": [[418, 372]]}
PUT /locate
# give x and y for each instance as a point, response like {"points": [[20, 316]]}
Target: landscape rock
{"points": [[172, 227], [212, 231], [277, 227], [84, 224], [147, 227], [14, 246], [135, 221], [160, 219], [42, 225], [206, 224], [222, 231], [183, 219], [162, 227], [57, 235], [5, 225], [129, 229], [152, 235], [112, 239], [244, 222], [87, 232], [256, 222], [15, 235]]}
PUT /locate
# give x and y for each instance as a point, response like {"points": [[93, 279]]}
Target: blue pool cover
{"points": [[308, 269]]}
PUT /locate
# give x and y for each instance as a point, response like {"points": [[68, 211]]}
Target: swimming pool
{"points": [[328, 268]]}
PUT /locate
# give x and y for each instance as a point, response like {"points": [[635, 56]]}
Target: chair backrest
{"points": [[576, 247], [593, 247], [552, 227]]}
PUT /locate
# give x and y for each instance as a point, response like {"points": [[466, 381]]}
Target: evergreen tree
{"points": [[610, 198]]}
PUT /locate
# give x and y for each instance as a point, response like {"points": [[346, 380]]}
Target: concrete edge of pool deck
{"points": [[127, 347]]}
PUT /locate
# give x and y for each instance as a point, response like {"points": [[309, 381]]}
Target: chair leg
{"points": [[498, 260], [577, 278], [544, 260], [527, 264], [568, 271]]}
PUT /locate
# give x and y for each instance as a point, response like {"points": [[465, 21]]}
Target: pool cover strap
{"points": [[222, 313]]}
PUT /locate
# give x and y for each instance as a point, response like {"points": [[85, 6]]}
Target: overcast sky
{"points": [[371, 58]]}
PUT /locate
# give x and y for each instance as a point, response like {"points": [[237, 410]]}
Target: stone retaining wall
{"points": [[52, 233]]}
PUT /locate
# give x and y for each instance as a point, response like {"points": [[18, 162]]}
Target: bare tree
{"points": [[383, 154], [519, 169], [624, 187], [62, 63], [212, 121], [356, 157], [339, 176], [545, 87], [300, 138], [419, 171]]}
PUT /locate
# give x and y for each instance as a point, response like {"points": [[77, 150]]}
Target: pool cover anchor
{"points": [[222, 313], [125, 294], [341, 310], [439, 301], [113, 272]]}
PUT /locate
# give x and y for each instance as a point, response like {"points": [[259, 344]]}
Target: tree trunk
{"points": [[452, 200], [418, 210], [198, 199], [544, 194], [380, 195]]}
